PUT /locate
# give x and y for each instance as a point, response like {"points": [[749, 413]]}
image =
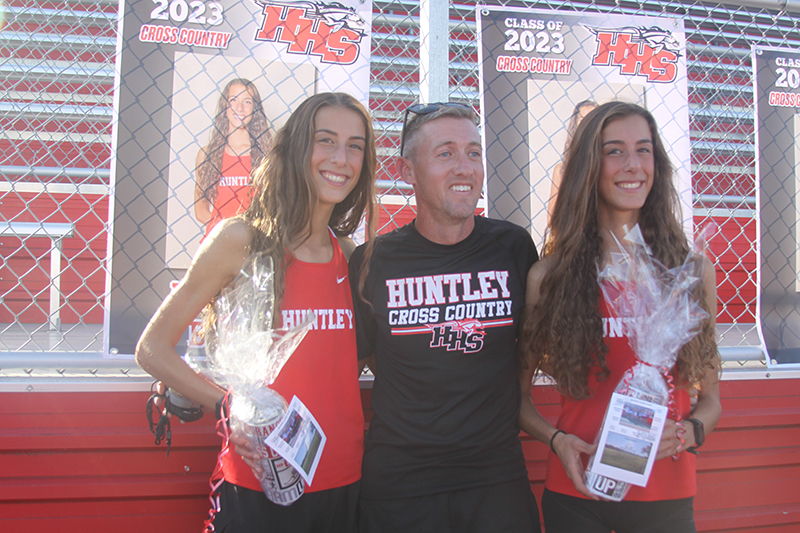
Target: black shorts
{"points": [[249, 511], [507, 507], [568, 514]]}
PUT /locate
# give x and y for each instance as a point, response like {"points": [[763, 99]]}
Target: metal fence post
{"points": [[434, 50]]}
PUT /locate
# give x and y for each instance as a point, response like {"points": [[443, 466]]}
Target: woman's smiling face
{"points": [[338, 152], [628, 166], [240, 106]]}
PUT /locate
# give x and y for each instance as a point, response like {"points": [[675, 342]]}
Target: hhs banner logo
{"points": [[638, 51], [330, 31]]}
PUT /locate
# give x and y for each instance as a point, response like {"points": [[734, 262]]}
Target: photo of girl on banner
{"points": [[223, 120], [550, 128], [581, 109], [239, 139], [542, 70]]}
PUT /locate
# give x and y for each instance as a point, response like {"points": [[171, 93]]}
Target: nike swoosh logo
{"points": [[340, 280]]}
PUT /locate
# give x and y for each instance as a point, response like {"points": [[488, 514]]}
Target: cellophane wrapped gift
{"points": [[661, 312], [245, 354]]}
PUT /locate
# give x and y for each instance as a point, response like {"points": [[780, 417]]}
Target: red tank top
{"points": [[322, 372], [669, 479], [233, 189]]}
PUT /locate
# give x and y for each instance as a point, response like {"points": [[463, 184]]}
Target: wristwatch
{"points": [[699, 435]]}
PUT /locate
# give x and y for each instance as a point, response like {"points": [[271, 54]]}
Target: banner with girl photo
{"points": [[202, 88], [776, 86], [542, 71]]}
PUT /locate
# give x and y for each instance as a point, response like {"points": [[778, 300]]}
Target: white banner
{"points": [[541, 71], [182, 66]]}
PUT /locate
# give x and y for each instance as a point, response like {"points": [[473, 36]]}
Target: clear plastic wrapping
{"points": [[245, 355], [660, 312]]}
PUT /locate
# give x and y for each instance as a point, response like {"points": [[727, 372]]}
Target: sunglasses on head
{"points": [[424, 109]]}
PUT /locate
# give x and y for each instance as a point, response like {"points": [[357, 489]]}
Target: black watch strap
{"points": [[699, 434]]}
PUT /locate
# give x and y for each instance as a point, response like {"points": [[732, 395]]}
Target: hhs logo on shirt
{"points": [[454, 309], [458, 335]]}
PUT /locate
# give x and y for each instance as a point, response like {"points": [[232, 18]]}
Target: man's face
{"points": [[446, 169]]}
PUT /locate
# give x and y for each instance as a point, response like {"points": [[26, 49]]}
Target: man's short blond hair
{"points": [[416, 121]]}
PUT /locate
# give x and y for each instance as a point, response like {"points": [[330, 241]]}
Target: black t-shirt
{"points": [[443, 324]]}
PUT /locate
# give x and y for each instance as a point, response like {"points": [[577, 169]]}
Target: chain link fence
{"points": [[56, 104], [57, 98]]}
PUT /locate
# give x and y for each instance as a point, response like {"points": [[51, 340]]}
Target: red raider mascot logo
{"points": [[650, 52], [331, 31]]}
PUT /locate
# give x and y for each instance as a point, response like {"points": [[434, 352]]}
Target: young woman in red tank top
{"points": [[240, 137], [617, 173], [312, 194]]}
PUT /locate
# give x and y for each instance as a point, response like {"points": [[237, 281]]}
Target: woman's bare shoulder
{"points": [[347, 245], [236, 230], [535, 275], [228, 244], [539, 269]]}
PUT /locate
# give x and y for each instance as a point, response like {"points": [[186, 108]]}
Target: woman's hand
{"points": [[244, 449], [160, 401], [569, 449], [160, 390], [677, 437], [671, 437]]}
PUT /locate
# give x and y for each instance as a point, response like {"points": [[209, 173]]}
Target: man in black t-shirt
{"points": [[439, 311]]}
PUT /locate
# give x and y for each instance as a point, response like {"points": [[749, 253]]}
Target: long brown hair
{"points": [[209, 170], [564, 329]]}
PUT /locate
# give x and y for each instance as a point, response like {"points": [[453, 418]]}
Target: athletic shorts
{"points": [[507, 507], [249, 511], [568, 514]]}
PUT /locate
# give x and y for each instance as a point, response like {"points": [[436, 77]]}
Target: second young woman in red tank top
{"points": [[617, 174]]}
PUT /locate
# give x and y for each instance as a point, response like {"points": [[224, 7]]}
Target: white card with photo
{"points": [[299, 439], [629, 440]]}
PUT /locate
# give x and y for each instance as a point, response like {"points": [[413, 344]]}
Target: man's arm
{"points": [[363, 315]]}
